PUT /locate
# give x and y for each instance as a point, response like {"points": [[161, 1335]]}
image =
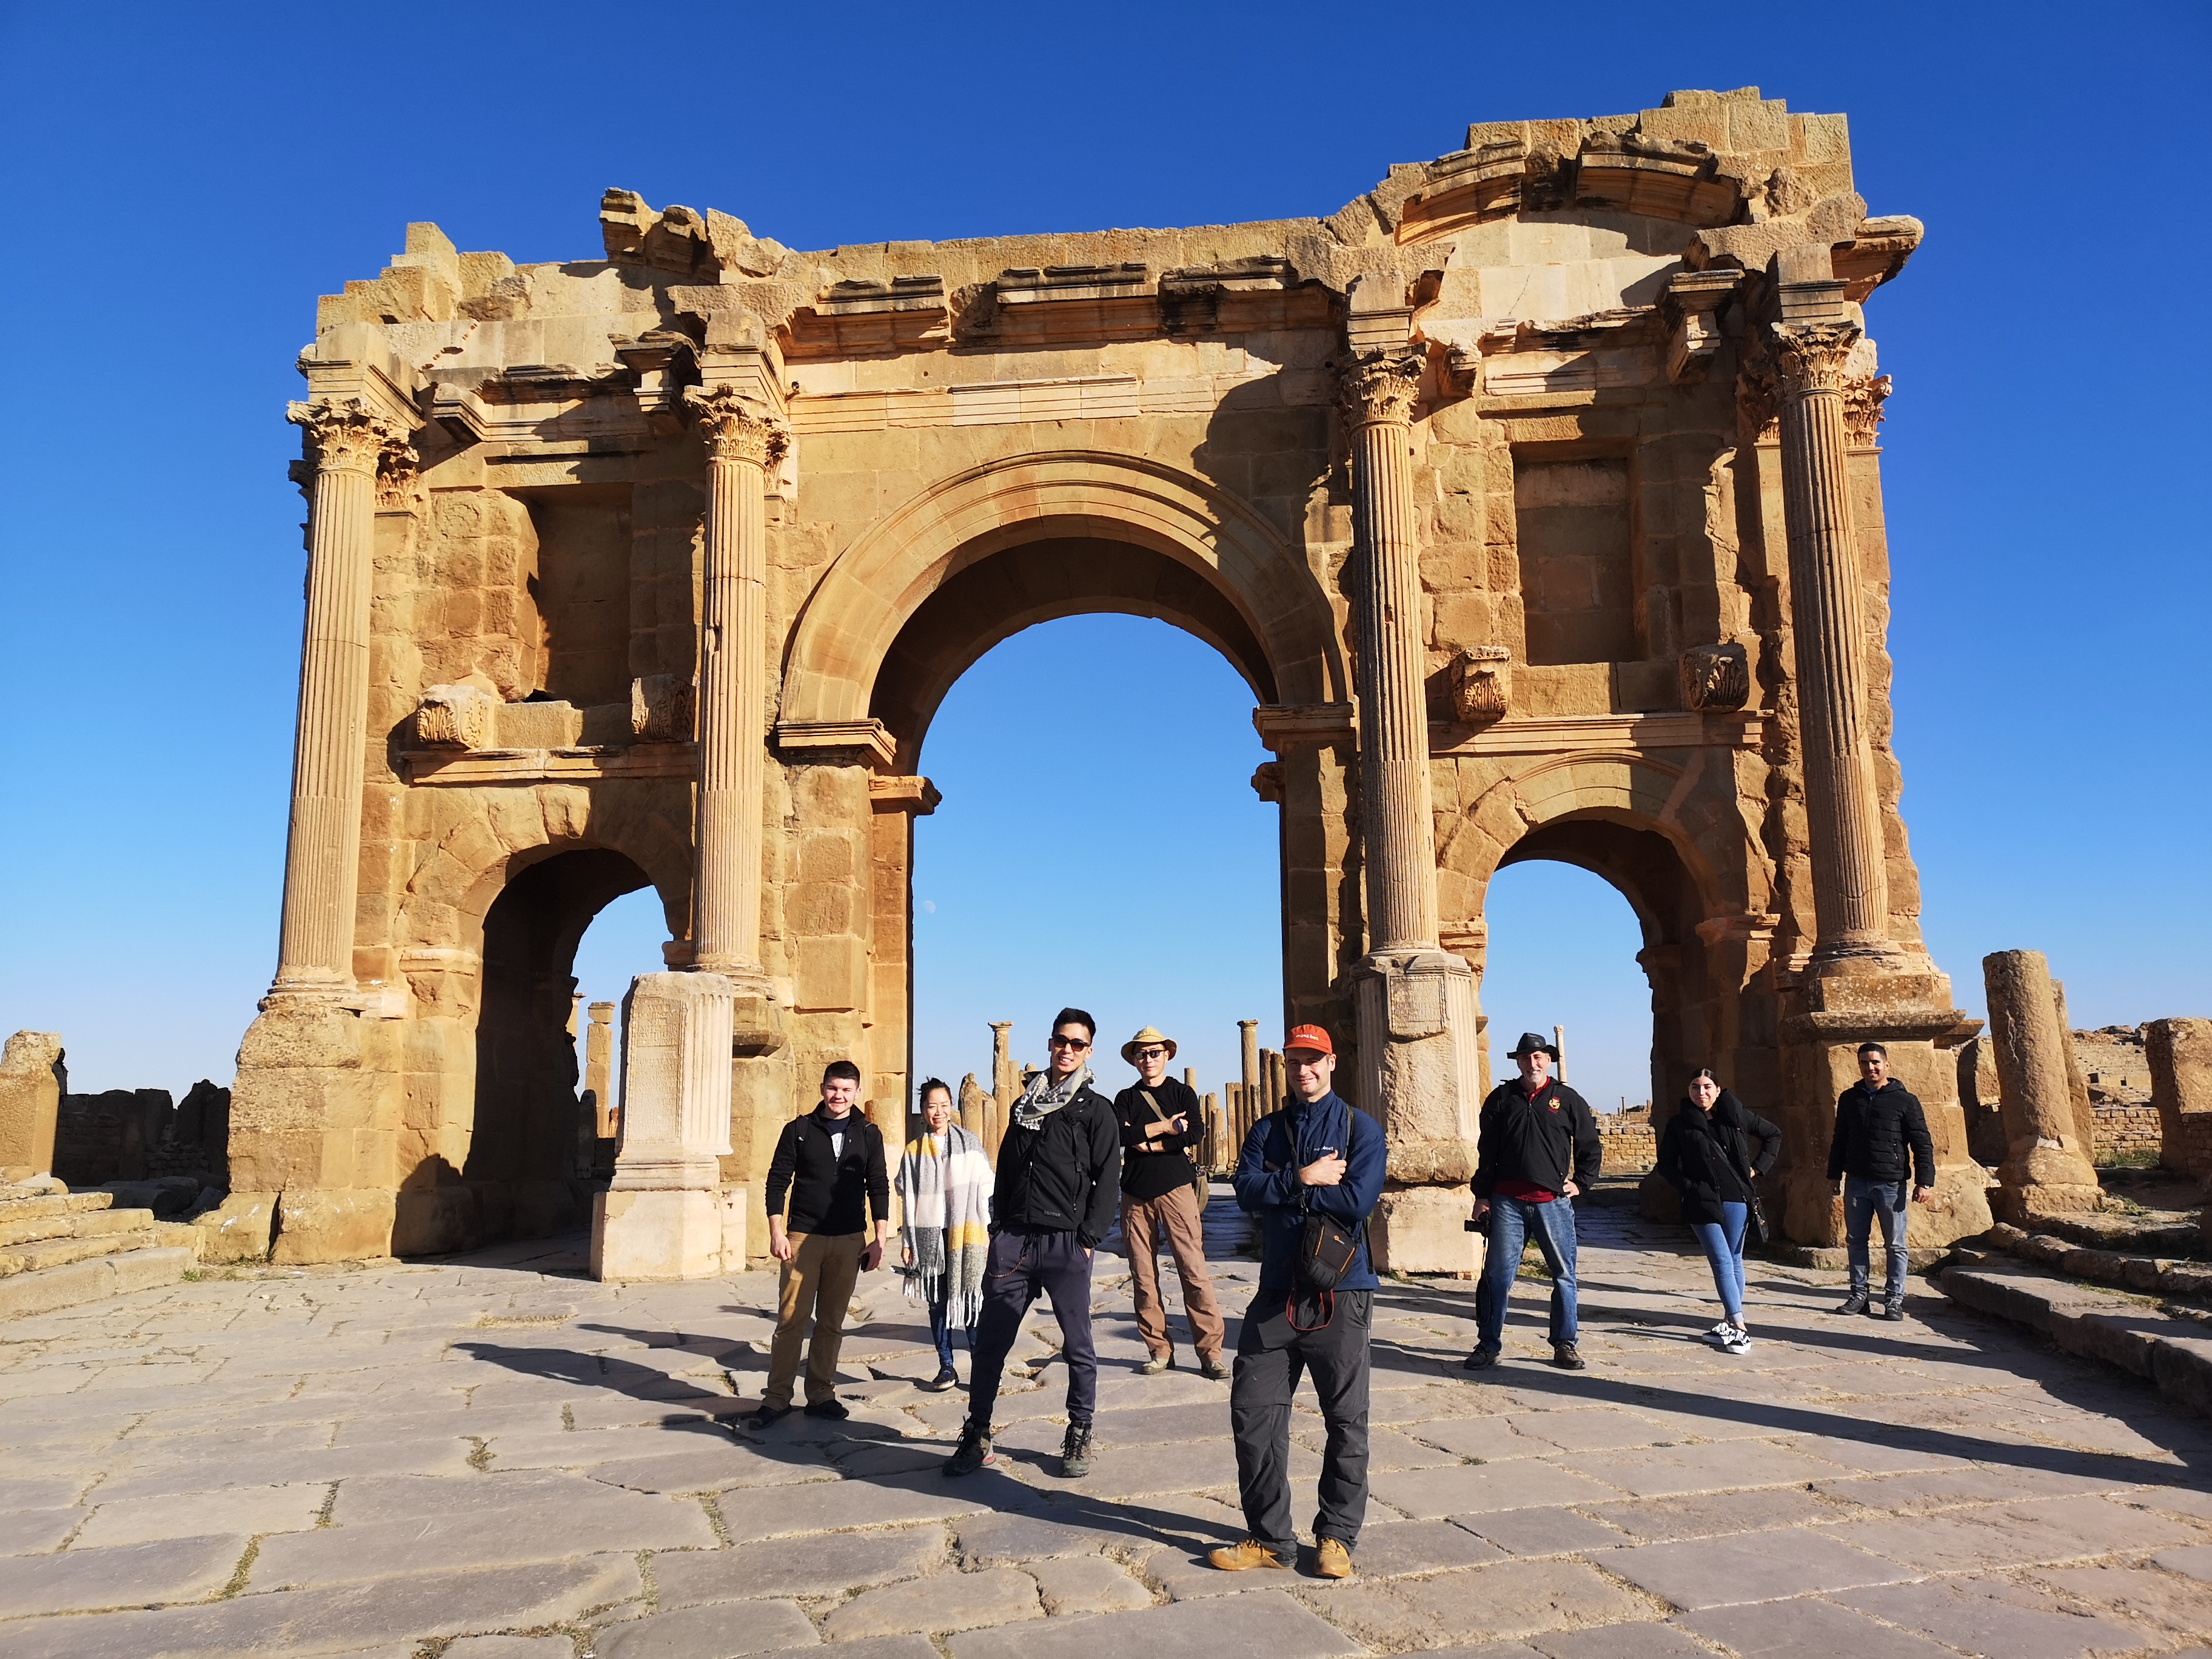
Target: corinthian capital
{"points": [[733, 430], [1379, 387], [1863, 397], [344, 434], [1812, 355]]}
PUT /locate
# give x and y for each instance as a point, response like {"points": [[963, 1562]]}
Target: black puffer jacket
{"points": [[1064, 1175], [1705, 1156], [1874, 1129]]}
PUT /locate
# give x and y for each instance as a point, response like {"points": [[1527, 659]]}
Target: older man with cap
{"points": [[1160, 1122], [1539, 1149], [1312, 1170]]}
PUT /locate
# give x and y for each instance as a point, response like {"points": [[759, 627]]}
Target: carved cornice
{"points": [[733, 430], [344, 434], [1812, 355], [1863, 397], [1379, 387]]}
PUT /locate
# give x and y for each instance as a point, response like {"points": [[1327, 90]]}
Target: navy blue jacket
{"points": [[1266, 1182]]}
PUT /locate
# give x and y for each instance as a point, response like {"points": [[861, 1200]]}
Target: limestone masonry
{"points": [[1534, 493]]}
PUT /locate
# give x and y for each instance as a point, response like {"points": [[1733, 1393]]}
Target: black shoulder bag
{"points": [[1754, 1214], [1328, 1248]]}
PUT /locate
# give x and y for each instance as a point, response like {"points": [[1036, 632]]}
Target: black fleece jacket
{"points": [[1064, 1175], [825, 1190], [1707, 1159], [1875, 1131], [1543, 1141]]}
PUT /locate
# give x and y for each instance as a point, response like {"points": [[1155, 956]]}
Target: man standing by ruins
{"points": [[1059, 1176], [1160, 1123], [829, 1163], [1539, 1149], [1881, 1139], [1312, 1173]]}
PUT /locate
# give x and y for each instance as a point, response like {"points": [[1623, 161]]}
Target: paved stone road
{"points": [[499, 1451]]}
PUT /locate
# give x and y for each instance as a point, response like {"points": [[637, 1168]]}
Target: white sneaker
{"points": [[1739, 1341], [1719, 1335], [1721, 1329]]}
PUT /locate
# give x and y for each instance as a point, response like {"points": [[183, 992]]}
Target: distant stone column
{"points": [[662, 1215], [741, 443], [1248, 1052], [2046, 1168], [1005, 1082], [2180, 1052], [349, 443], [2077, 1080], [30, 1104], [1850, 893], [599, 1065]]}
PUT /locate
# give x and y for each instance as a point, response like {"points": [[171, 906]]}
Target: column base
{"points": [[660, 1234], [1423, 1229], [332, 1223]]}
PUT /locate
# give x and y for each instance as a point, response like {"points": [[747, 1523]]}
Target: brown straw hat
{"points": [[1144, 1039]]}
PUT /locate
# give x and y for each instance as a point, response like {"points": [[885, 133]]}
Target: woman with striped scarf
{"points": [[945, 1182]]}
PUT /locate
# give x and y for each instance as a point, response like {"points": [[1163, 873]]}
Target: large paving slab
{"points": [[501, 1451]]}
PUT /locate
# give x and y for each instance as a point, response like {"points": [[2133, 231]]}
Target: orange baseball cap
{"points": [[1308, 1036]]}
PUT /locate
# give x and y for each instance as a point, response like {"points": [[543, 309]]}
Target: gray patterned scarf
{"points": [[1042, 1099]]}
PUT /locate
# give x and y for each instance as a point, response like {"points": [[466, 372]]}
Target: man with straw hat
{"points": [[1160, 1122]]}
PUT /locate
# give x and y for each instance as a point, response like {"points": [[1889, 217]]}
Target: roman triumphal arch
{"points": [[1534, 493]]}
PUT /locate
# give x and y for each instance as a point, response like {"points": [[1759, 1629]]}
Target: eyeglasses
{"points": [[1151, 1054], [1077, 1043]]}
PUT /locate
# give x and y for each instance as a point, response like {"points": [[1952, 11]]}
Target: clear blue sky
{"points": [[185, 180]]}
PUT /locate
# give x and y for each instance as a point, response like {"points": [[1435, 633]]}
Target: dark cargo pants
{"points": [[1271, 1354], [1023, 1267]]}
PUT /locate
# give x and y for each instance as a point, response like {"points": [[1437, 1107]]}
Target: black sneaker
{"points": [[767, 1418], [1565, 1357], [1855, 1303], [1889, 1310], [972, 1452], [947, 1378], [1481, 1359], [1075, 1452], [832, 1408]]}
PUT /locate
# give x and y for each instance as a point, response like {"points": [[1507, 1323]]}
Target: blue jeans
{"points": [[940, 1331], [1864, 1203], [1724, 1243], [1513, 1222]]}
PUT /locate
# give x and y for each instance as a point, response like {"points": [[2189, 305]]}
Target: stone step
{"points": [[77, 1282], [15, 1203], [72, 1223], [57, 1252], [2130, 1332]]}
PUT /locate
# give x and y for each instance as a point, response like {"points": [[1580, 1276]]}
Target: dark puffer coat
{"points": [[1875, 1129]]}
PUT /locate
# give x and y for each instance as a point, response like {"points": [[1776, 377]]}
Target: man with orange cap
{"points": [[1312, 1172]]}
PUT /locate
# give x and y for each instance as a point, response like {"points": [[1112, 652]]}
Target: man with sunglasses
{"points": [[1161, 1121], [1058, 1179]]}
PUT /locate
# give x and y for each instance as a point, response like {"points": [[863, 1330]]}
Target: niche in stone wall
{"points": [[582, 587], [1577, 566]]}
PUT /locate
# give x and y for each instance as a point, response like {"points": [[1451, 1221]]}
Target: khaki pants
{"points": [[818, 1285], [1145, 1222]]}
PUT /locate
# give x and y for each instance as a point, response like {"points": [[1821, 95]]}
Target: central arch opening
{"points": [[1099, 842]]}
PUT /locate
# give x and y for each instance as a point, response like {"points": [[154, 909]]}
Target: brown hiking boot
{"points": [[1236, 1557], [1332, 1559]]}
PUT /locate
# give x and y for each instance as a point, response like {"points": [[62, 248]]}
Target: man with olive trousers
{"points": [[1315, 1156]]}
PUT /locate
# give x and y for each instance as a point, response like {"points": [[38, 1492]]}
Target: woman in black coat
{"points": [[1705, 1156]]}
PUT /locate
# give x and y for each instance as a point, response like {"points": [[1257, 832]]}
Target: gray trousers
{"points": [[1270, 1355]]}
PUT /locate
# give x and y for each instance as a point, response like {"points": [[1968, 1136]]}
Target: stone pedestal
{"points": [[1911, 1016], [1418, 1058], [2046, 1168], [30, 1104], [663, 1215]]}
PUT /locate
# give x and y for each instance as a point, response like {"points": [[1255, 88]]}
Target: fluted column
{"points": [[741, 443], [1849, 892], [349, 442], [1377, 390]]}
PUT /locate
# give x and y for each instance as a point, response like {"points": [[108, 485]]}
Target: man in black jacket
{"points": [[1059, 1178], [1539, 1148], [1882, 1138], [1161, 1121], [828, 1162]]}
